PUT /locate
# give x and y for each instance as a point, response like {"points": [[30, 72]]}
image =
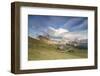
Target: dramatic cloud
{"points": [[58, 27], [56, 32], [65, 34]]}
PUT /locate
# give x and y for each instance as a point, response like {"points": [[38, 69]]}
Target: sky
{"points": [[58, 26]]}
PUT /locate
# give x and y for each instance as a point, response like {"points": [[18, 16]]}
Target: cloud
{"points": [[76, 23], [74, 35], [57, 26], [65, 34], [82, 26], [56, 32]]}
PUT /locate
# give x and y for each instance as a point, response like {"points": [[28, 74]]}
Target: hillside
{"points": [[33, 40], [40, 50]]}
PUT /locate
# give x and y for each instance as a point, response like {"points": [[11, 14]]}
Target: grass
{"points": [[38, 50]]}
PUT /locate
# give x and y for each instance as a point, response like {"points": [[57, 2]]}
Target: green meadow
{"points": [[38, 50]]}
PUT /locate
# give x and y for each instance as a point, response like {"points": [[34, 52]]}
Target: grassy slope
{"points": [[38, 50]]}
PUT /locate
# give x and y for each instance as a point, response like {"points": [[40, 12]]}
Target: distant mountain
{"points": [[82, 43], [41, 40], [34, 41]]}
